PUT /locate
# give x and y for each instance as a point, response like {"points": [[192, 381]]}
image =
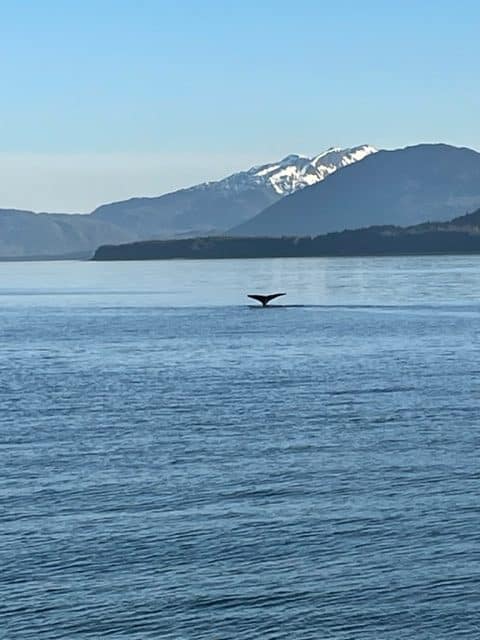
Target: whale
{"points": [[265, 299]]}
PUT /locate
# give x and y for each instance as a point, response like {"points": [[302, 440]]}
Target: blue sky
{"points": [[105, 99]]}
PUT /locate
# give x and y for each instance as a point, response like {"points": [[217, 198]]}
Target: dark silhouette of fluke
{"points": [[265, 299]]}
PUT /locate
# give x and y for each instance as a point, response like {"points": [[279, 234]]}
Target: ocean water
{"points": [[177, 463]]}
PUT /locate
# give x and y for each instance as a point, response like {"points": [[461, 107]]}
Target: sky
{"points": [[107, 99]]}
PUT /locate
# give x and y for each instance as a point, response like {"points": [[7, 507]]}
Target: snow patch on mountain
{"points": [[294, 172]]}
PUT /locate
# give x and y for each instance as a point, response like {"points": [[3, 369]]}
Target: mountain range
{"points": [[296, 196], [210, 207]]}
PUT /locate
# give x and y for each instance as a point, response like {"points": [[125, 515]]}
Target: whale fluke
{"points": [[265, 299]]}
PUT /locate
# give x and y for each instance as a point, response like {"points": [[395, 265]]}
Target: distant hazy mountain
{"points": [[24, 234], [217, 206], [401, 187], [208, 207]]}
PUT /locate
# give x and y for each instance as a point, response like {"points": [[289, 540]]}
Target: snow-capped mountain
{"points": [[212, 207], [294, 171]]}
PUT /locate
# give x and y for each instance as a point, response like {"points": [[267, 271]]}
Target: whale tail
{"points": [[265, 299]]}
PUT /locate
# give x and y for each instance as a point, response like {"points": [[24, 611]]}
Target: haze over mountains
{"points": [[402, 187], [206, 208]]}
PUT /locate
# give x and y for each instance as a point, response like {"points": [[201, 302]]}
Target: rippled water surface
{"points": [[178, 464]]}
